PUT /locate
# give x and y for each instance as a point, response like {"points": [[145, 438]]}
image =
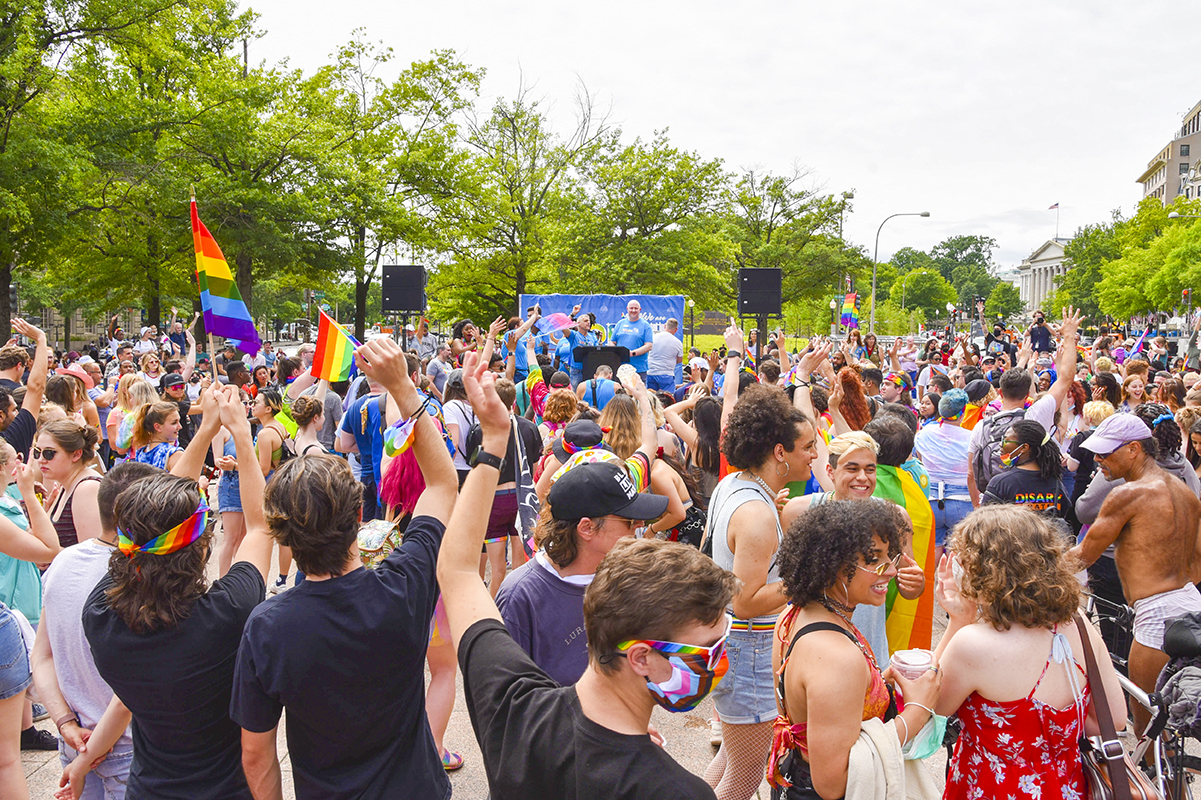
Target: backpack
{"points": [[988, 458]]}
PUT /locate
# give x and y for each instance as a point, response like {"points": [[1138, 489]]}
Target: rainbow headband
{"points": [[177, 538]]}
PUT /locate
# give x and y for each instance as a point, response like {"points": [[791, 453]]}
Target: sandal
{"points": [[451, 761]]}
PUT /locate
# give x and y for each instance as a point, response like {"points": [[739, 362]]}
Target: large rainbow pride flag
{"points": [[225, 314], [850, 311], [910, 622], [334, 359]]}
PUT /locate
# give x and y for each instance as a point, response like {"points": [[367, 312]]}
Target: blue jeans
{"points": [[107, 781], [576, 375], [952, 512], [661, 383]]}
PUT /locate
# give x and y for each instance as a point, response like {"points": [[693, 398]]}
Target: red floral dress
{"points": [[1023, 749]]}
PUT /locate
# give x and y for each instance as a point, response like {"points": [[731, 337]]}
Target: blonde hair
{"points": [[1097, 411], [1187, 417], [145, 359], [620, 416], [146, 417], [1104, 364], [854, 440], [138, 392], [657, 409]]}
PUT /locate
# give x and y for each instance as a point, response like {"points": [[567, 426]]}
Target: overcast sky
{"points": [[983, 114]]}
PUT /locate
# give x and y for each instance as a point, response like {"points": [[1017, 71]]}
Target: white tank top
{"points": [[731, 493]]}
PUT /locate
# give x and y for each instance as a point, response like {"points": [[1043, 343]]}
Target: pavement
{"points": [[686, 734]]}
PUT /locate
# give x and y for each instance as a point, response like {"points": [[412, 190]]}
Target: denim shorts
{"points": [[747, 693], [108, 780], [229, 493], [15, 676]]}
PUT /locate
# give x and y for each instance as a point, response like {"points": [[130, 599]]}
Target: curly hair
{"points": [[762, 419], [157, 592], [1016, 567], [854, 403], [560, 406], [1166, 432], [823, 545]]}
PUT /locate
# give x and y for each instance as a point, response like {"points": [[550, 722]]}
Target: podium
{"points": [[593, 357]]}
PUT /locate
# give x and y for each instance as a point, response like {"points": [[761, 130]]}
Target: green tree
{"points": [[645, 222], [925, 290], [964, 251], [1090, 249], [1005, 300], [513, 189]]}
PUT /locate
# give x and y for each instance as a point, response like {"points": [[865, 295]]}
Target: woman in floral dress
{"points": [[1012, 659]]}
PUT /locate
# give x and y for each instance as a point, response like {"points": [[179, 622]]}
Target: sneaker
{"points": [[715, 732], [36, 739], [39, 712], [280, 584]]}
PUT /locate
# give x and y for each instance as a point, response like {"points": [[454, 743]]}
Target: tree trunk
{"points": [[67, 313], [245, 278], [6, 312], [362, 283]]}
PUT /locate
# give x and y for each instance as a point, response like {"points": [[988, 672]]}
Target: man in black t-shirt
{"points": [[539, 739], [344, 651]]}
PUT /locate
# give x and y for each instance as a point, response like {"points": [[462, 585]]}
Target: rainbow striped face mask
{"points": [[177, 538]]}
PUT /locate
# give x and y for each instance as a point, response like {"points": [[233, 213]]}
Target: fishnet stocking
{"points": [[738, 768]]}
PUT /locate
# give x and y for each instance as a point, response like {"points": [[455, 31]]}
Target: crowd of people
{"points": [[583, 548]]}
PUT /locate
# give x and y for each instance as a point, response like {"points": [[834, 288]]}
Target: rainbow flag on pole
{"points": [[224, 312], [850, 311], [334, 358], [910, 622]]}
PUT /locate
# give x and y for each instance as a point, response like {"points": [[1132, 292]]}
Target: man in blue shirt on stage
{"points": [[636, 334], [579, 336]]}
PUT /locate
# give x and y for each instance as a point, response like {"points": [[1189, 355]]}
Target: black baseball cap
{"points": [[601, 490], [173, 379]]}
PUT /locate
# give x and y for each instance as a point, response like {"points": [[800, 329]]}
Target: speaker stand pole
{"points": [[759, 341]]}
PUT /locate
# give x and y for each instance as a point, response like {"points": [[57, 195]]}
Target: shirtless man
{"points": [[1152, 522]]}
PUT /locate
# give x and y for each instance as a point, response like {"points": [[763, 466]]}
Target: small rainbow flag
{"points": [[224, 312], [334, 358], [910, 622], [972, 414], [850, 310]]}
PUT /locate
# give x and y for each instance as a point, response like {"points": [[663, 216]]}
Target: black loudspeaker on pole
{"points": [[760, 295], [403, 288]]}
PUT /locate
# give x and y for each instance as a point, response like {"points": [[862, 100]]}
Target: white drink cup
{"points": [[912, 663]]}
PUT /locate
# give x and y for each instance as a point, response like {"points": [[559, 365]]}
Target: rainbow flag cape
{"points": [[224, 312], [850, 311], [910, 622], [972, 414], [334, 358]]}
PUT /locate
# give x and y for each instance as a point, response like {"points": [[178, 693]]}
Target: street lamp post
{"points": [[951, 318], [903, 282], [691, 322], [875, 255], [833, 317]]}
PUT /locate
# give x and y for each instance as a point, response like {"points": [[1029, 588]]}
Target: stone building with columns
{"points": [[1039, 271]]}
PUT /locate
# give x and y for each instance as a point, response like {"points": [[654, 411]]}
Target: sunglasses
{"points": [[707, 657], [48, 452], [882, 567]]}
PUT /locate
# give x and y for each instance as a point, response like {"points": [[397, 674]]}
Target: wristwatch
{"points": [[481, 456]]}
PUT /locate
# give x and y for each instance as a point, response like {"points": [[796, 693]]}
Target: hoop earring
{"points": [[786, 469]]}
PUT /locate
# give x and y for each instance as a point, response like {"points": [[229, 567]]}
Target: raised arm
{"points": [[735, 343], [802, 399], [686, 432], [466, 598], [36, 386], [384, 362], [1065, 358], [191, 462], [257, 544]]}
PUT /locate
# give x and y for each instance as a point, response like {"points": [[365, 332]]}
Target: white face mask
{"points": [[957, 572]]}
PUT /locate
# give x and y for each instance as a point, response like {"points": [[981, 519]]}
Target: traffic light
{"points": [[1186, 295], [12, 298]]}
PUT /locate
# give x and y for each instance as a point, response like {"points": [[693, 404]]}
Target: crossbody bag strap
{"points": [[1112, 749]]}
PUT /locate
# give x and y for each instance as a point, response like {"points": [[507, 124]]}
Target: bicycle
{"points": [[1159, 749]]}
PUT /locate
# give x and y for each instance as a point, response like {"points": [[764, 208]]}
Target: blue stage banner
{"points": [[609, 308]]}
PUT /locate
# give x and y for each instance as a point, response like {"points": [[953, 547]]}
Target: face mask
{"points": [[689, 684], [957, 572], [1008, 460]]}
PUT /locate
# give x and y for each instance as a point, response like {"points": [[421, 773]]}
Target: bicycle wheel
{"points": [[1190, 767]]}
